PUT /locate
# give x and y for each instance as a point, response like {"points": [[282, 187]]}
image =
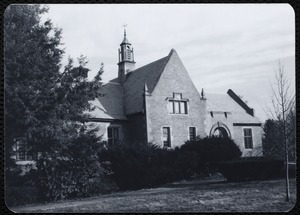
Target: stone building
{"points": [[159, 103]]}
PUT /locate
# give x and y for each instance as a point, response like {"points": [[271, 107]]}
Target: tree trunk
{"points": [[287, 199]]}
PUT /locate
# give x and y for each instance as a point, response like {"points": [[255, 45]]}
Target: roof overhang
{"points": [[106, 120], [247, 124]]}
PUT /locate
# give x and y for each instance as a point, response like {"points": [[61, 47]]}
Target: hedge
{"points": [[251, 169]]}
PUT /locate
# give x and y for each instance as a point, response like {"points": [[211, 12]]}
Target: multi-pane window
{"points": [[113, 135], [248, 138], [22, 151], [177, 105], [192, 133], [166, 137]]}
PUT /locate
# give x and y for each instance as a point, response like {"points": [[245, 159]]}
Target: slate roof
{"points": [[117, 102], [109, 104], [224, 103], [135, 83]]}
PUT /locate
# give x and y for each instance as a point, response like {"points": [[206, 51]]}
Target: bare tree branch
{"points": [[282, 110]]}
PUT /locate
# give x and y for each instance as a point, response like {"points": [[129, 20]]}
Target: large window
{"points": [[166, 137], [113, 135], [192, 133], [248, 138], [177, 105]]}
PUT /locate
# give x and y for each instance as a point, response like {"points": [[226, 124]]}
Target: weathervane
{"points": [[124, 26]]}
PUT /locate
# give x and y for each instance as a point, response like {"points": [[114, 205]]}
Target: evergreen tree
{"points": [[47, 108], [31, 63]]}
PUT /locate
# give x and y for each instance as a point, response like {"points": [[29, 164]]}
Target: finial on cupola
{"points": [[146, 89], [124, 26], [202, 94]]}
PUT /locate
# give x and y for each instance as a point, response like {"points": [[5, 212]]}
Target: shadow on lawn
{"points": [[198, 183]]}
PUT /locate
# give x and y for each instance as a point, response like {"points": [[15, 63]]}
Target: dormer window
{"points": [[177, 104]]}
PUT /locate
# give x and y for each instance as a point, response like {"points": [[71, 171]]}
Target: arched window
{"points": [[220, 132]]}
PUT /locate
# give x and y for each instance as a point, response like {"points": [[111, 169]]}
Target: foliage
{"points": [[211, 150], [139, 165], [42, 104], [31, 60], [75, 172], [252, 168], [46, 107], [283, 105], [20, 195], [273, 139]]}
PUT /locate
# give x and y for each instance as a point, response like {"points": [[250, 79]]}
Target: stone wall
{"points": [[174, 79], [256, 137]]}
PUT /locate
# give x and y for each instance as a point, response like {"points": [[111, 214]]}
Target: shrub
{"points": [[19, 189], [75, 172], [139, 165], [19, 195], [253, 168], [211, 150]]}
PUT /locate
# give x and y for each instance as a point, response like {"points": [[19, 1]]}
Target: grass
{"points": [[187, 196]]}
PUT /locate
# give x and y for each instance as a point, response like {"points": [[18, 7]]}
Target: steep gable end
{"points": [[176, 78], [135, 83]]}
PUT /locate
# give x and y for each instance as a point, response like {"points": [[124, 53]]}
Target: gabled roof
{"points": [[109, 105], [225, 103], [136, 80]]}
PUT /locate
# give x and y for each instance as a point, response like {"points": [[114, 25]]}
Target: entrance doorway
{"points": [[220, 132]]}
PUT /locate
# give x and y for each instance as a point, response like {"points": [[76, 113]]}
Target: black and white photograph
{"points": [[149, 108]]}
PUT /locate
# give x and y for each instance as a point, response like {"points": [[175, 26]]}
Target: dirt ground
{"points": [[186, 196]]}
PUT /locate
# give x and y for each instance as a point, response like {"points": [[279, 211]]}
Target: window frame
{"points": [[246, 144], [21, 150], [169, 137], [112, 140], [179, 102], [195, 133]]}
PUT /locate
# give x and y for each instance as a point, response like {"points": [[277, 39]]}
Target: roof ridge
{"points": [[216, 93], [149, 64]]}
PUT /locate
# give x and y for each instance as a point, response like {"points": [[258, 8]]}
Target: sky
{"points": [[222, 46]]}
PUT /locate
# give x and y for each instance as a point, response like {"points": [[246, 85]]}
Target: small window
{"points": [[113, 135], [166, 137], [22, 151], [248, 138], [192, 133], [177, 96]]}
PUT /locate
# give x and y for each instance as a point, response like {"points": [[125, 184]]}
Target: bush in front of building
{"points": [[141, 165], [20, 195], [252, 168], [74, 172], [210, 151]]}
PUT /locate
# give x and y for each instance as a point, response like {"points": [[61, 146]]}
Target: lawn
{"points": [[187, 196]]}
